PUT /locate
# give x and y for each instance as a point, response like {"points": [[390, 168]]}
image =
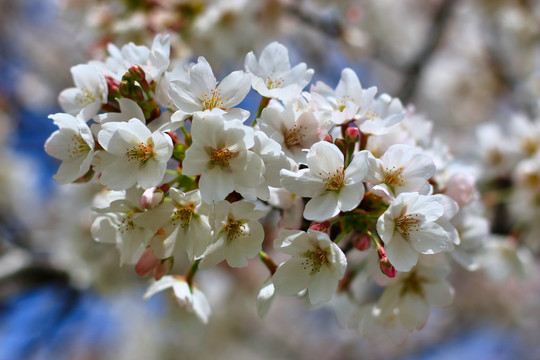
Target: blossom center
{"points": [[212, 99], [221, 157], [77, 146], [85, 97], [294, 135], [530, 146], [183, 215], [335, 181], [233, 229], [315, 259], [140, 152], [413, 284], [393, 178], [272, 83], [126, 225], [408, 223]]}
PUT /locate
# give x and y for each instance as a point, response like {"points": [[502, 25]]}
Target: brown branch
{"points": [[414, 69]]}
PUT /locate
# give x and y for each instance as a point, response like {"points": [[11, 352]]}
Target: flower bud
{"points": [[328, 138], [352, 134], [323, 227], [147, 262], [150, 198], [361, 241], [461, 188], [138, 75], [342, 146], [112, 84], [163, 268], [387, 268]]}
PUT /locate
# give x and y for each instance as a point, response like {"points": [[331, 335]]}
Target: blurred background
{"points": [[460, 63]]}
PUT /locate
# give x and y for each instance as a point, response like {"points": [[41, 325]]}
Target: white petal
{"points": [[322, 286], [322, 207], [413, 312], [401, 254], [291, 277], [431, 238], [265, 297], [439, 294]]}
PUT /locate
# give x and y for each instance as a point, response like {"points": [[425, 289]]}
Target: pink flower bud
{"points": [[382, 253], [163, 268], [112, 84], [361, 241], [461, 188], [387, 268], [150, 198], [352, 134], [328, 138], [146, 263], [323, 227]]}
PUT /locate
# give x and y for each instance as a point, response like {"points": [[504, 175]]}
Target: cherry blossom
{"points": [[220, 155], [272, 75], [139, 156], [332, 187], [416, 224], [316, 264], [73, 144]]}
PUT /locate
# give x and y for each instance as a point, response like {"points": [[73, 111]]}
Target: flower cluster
{"points": [[192, 179]]}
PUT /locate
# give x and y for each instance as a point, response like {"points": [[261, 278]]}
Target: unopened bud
{"points": [[150, 198], [328, 138], [361, 241], [112, 84], [163, 268], [323, 227], [352, 134], [387, 268], [147, 262], [124, 88], [461, 188]]}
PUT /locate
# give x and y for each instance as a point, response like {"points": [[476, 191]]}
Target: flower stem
{"points": [[340, 237], [268, 262], [264, 103]]}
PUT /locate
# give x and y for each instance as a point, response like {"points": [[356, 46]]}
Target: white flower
{"points": [[202, 92], [154, 61], [220, 154], [382, 115], [503, 258], [274, 161], [272, 76], [411, 294], [332, 187], [526, 135], [348, 102], [402, 168], [473, 230], [181, 223], [238, 235], [188, 297], [114, 223], [294, 131], [129, 109], [89, 93], [498, 154], [416, 224], [72, 143], [291, 205], [316, 264], [139, 155]]}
